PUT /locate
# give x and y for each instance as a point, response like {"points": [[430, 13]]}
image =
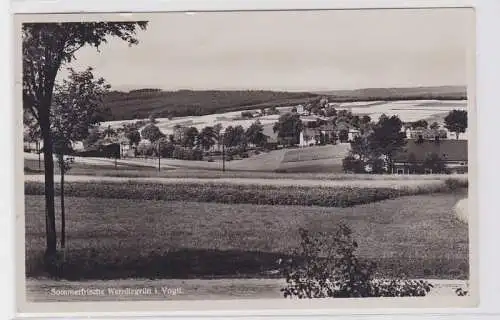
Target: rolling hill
{"points": [[388, 94], [140, 104]]}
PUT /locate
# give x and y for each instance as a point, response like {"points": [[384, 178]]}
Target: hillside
{"points": [[142, 103], [387, 94]]}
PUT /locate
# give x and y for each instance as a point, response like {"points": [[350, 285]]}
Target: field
{"points": [[148, 170], [245, 191], [141, 103], [108, 238], [327, 159]]}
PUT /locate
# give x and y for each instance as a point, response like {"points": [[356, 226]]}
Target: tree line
{"points": [[188, 143]]}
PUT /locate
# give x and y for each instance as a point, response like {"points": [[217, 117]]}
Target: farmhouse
{"points": [[425, 134], [450, 154], [300, 109]]}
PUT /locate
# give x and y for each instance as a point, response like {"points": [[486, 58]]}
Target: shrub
{"points": [[166, 149], [456, 184], [144, 149], [246, 114], [196, 154], [187, 154], [461, 292], [351, 164], [329, 268]]}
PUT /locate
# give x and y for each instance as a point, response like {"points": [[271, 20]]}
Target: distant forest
{"points": [[140, 104]]}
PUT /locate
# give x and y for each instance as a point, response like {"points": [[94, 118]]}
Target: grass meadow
{"points": [[415, 236], [131, 171], [130, 222]]}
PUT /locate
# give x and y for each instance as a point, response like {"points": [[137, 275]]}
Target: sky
{"points": [[289, 50]]}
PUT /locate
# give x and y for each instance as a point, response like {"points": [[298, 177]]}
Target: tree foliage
{"points": [[387, 137], [47, 46], [362, 148], [419, 124], [434, 126], [152, 133], [133, 135], [456, 121], [255, 134], [235, 137], [190, 136], [288, 128], [207, 138], [110, 132], [31, 128], [75, 105]]}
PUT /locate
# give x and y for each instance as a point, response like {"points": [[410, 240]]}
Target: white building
{"points": [[300, 109]]}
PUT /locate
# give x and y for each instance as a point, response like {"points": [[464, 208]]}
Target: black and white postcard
{"points": [[246, 159]]}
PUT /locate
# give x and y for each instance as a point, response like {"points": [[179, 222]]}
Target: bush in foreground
{"points": [[329, 268]]}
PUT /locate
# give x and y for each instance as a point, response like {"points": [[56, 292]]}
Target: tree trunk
{"points": [[50, 221], [63, 213]]}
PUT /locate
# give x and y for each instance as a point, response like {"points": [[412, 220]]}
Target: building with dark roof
{"points": [[451, 154]]}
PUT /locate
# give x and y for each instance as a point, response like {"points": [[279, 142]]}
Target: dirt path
{"points": [[45, 290], [248, 181]]}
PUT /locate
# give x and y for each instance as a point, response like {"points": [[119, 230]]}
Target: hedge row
{"points": [[233, 194]]}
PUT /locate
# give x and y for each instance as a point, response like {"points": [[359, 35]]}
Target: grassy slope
{"points": [[140, 238], [141, 103]]}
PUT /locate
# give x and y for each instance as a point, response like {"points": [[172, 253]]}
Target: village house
{"points": [[328, 132], [425, 134], [452, 154], [301, 110]]}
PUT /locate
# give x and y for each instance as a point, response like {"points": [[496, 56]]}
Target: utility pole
{"points": [[223, 154], [159, 156], [39, 154]]}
